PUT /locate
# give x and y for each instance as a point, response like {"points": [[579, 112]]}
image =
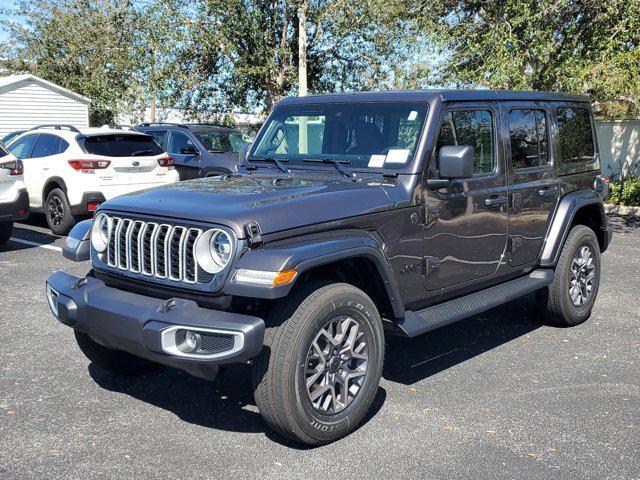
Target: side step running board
{"points": [[436, 316]]}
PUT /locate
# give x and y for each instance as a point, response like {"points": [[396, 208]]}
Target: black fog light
{"points": [[187, 341]]}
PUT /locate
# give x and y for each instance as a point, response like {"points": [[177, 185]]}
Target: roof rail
{"points": [[159, 124], [56, 127]]}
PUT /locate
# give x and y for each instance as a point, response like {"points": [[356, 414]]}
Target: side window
{"points": [[528, 136], [469, 127], [178, 141], [575, 135], [22, 147], [48, 145], [159, 136]]}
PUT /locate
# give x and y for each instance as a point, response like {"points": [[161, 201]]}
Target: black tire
{"points": [[279, 373], [58, 212], [114, 361], [556, 301], [6, 229]]}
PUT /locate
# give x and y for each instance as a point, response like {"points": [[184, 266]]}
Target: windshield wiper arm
{"points": [[278, 163], [138, 153], [336, 163]]}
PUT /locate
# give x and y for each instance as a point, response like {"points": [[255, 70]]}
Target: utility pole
{"points": [[302, 72]]}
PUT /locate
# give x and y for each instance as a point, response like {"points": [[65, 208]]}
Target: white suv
{"points": [[69, 172], [14, 201]]}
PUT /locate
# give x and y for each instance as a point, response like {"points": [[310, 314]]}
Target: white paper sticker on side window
{"points": [[376, 161], [397, 155]]}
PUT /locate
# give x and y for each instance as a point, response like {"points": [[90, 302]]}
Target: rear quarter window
{"points": [[122, 145], [575, 135]]}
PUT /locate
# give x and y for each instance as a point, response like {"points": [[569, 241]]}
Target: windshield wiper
{"points": [[336, 163], [139, 153], [274, 160]]}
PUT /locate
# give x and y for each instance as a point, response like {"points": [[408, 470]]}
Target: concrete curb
{"points": [[622, 210]]}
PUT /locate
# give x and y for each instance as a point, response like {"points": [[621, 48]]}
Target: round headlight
{"points": [[100, 232], [213, 250]]}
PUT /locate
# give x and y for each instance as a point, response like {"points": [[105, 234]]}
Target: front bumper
{"points": [[11, 211], [144, 326]]}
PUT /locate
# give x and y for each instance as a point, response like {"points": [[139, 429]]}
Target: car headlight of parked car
{"points": [[213, 250], [100, 232]]}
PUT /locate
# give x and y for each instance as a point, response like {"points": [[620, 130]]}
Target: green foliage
{"points": [[590, 47], [625, 192]]}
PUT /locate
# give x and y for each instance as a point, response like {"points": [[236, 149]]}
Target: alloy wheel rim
{"points": [[55, 211], [336, 365], [583, 269]]}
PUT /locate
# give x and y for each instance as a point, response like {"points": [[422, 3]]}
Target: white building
{"points": [[27, 101]]}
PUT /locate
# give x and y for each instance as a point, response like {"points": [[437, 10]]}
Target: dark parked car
{"points": [[199, 150], [355, 215]]}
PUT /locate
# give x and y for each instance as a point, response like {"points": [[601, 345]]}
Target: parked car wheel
{"points": [[6, 228], [568, 301], [114, 361], [321, 365], [58, 212]]}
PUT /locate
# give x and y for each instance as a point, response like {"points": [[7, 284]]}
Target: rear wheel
{"points": [[321, 365], [6, 228], [114, 361], [568, 301], [58, 212]]}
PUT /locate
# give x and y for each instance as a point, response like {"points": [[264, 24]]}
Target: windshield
{"points": [[220, 142], [365, 135]]}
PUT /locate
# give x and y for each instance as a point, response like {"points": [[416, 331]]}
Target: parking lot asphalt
{"points": [[499, 395]]}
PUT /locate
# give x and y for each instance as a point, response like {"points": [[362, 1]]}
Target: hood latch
{"points": [[254, 235]]}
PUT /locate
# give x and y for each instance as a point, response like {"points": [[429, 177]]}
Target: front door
{"points": [[465, 232], [533, 183], [187, 164]]}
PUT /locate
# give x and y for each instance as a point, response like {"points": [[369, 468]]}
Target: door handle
{"points": [[547, 191], [495, 201]]}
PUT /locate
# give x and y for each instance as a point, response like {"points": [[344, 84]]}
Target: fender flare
{"points": [[563, 217], [51, 180], [310, 253]]}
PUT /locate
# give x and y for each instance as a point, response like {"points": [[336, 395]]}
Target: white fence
{"points": [[619, 143]]}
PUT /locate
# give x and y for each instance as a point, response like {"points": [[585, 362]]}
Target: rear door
{"points": [[22, 149], [133, 158], [532, 178], [465, 232], [44, 163], [187, 164]]}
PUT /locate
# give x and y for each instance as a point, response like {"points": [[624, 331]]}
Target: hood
{"points": [[276, 203]]}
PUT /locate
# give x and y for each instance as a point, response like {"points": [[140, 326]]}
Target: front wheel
{"points": [[321, 365], [568, 301], [6, 229]]}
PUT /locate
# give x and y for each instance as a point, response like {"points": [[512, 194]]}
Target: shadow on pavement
{"points": [[623, 223], [227, 402]]}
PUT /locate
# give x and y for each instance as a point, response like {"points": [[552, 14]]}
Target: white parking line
{"points": [[36, 244]]}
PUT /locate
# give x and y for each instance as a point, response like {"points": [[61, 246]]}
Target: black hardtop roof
{"points": [[194, 127], [429, 95]]}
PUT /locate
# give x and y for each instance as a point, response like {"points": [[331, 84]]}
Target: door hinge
{"points": [[514, 244], [430, 265]]}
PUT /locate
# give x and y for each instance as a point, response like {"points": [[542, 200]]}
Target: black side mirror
{"points": [[242, 153], [456, 161], [189, 151]]}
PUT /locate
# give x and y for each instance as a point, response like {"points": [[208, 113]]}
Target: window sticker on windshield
{"points": [[397, 155], [413, 115], [376, 161]]}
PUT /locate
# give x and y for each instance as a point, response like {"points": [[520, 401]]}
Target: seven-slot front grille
{"points": [[154, 249]]}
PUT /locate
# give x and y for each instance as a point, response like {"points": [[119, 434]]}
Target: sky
{"points": [[5, 4]]}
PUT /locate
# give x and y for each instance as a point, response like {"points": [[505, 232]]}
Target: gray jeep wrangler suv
{"points": [[352, 216]]}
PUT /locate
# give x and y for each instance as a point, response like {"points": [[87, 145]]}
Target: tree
{"points": [[252, 47], [84, 46], [587, 46]]}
